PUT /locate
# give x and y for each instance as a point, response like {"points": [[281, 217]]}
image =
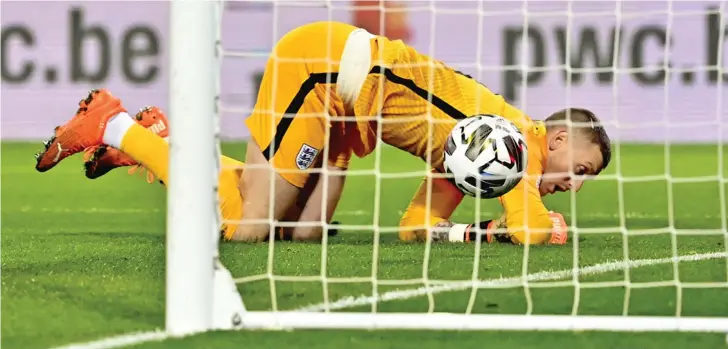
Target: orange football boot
{"points": [[100, 160], [84, 130]]}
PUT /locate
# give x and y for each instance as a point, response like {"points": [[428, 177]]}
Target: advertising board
{"points": [[652, 70]]}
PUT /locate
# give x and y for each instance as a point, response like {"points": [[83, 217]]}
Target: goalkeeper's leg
{"points": [[100, 160], [290, 203], [102, 120], [152, 151], [319, 192], [288, 125]]}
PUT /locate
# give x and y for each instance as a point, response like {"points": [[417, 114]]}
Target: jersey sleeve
{"points": [[339, 152], [444, 198], [527, 218], [340, 160]]}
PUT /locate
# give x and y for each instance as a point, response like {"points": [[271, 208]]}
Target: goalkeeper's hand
{"points": [[559, 230], [496, 230]]}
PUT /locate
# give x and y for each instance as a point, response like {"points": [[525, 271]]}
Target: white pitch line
{"points": [[89, 210], [119, 341], [591, 215], [351, 302]]}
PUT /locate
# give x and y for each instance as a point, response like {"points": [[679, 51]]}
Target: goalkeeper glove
{"points": [[559, 230], [496, 230]]}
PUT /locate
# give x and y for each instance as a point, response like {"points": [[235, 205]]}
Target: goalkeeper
{"points": [[317, 75], [569, 141]]}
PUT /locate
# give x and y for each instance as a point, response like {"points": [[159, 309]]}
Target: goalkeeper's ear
{"points": [[558, 139]]}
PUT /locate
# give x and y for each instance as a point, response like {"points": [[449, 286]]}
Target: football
{"points": [[485, 156]]}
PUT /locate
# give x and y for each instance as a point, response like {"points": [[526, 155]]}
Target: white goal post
{"points": [[192, 187], [198, 289]]}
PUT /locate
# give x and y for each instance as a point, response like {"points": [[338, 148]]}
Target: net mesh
{"points": [[650, 231]]}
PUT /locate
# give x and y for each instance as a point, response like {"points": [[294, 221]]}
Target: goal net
{"points": [[647, 238]]}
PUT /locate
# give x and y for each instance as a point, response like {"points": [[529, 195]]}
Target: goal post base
{"points": [[476, 322], [228, 307]]}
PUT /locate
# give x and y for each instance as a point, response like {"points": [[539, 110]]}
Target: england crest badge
{"points": [[306, 156]]}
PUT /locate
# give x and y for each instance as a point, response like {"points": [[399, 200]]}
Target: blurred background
{"points": [[657, 79]]}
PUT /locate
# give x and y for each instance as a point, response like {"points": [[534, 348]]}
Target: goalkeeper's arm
{"points": [[428, 213], [421, 220], [526, 219], [320, 192], [428, 210]]}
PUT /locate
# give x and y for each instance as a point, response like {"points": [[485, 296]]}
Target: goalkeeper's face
{"points": [[570, 159]]}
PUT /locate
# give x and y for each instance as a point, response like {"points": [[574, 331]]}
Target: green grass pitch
{"points": [[84, 259]]}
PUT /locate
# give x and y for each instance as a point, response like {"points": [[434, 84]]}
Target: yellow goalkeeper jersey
{"points": [[419, 99], [332, 85]]}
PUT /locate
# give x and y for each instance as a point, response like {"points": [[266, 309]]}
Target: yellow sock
{"points": [[152, 152], [231, 200], [148, 149]]}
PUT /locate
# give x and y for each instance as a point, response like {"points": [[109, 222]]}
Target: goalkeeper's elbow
{"points": [[537, 233], [413, 227], [407, 234], [409, 229]]}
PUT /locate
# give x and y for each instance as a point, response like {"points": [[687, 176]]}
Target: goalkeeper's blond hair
{"points": [[585, 123]]}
